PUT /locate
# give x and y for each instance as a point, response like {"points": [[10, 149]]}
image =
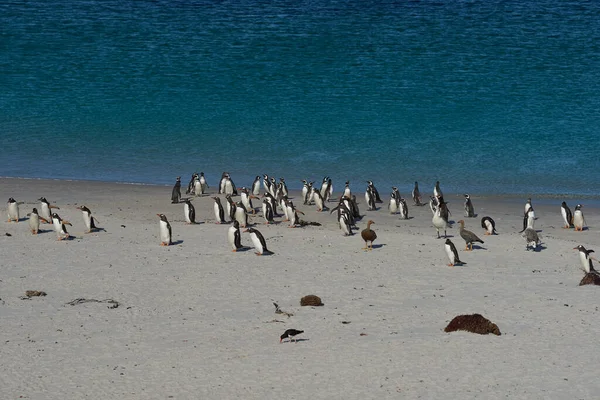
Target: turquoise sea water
{"points": [[486, 96]]}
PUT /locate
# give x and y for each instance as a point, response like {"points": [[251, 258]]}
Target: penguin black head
{"points": [[162, 217], [236, 224], [43, 200], [55, 215], [34, 211], [178, 178], [448, 242], [11, 200], [578, 207]]}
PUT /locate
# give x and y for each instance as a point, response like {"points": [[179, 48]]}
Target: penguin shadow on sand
{"points": [[378, 246]]}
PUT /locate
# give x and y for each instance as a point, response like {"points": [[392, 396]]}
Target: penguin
{"points": [[437, 192], [347, 192], [34, 221], [240, 214], [176, 192], [88, 220], [45, 208], [219, 212], [59, 227], [354, 209], [229, 186], [489, 225], [531, 239], [396, 193], [293, 214], [305, 190], [403, 209], [267, 185], [567, 215], [452, 253], [370, 199], [586, 259], [165, 231], [343, 207], [197, 186], [394, 204], [246, 199], [272, 201], [203, 184], [222, 182], [416, 195], [443, 206], [190, 186], [578, 219], [469, 210], [291, 334], [189, 212], [345, 223], [318, 198], [267, 210], [309, 199], [234, 236], [528, 206], [230, 206], [283, 201], [256, 186], [439, 222], [329, 190], [284, 188], [13, 210], [324, 187], [375, 192], [528, 220], [260, 245]]}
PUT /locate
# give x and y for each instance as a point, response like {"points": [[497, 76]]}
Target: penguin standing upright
{"points": [[375, 192], [234, 236], [284, 188], [219, 212], [165, 231], [469, 210], [203, 184], [324, 187], [403, 209], [567, 215], [189, 212], [394, 204], [190, 186], [267, 185], [416, 195], [578, 220], [88, 220], [370, 198], [34, 221], [176, 192], [229, 186], [528, 205], [305, 190], [452, 253], [528, 220], [347, 191], [267, 210], [318, 198], [59, 227], [256, 186], [197, 186], [293, 215], [246, 199], [222, 182], [344, 222], [45, 210], [13, 210], [259, 242], [586, 259], [241, 214]]}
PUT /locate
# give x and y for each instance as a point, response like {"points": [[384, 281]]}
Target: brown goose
{"points": [[368, 235], [469, 236]]}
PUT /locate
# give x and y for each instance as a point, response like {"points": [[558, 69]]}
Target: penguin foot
{"points": [[258, 254], [234, 250], [164, 244], [451, 265]]}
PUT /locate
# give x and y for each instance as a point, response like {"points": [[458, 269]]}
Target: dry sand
{"points": [[197, 321]]}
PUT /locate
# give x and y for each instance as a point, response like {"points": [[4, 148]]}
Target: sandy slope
{"points": [[197, 321]]}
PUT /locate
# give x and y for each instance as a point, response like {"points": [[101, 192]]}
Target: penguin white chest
{"points": [[87, 220], [256, 243], [186, 211], [46, 212], [34, 223], [578, 219], [450, 254], [240, 216], [165, 235], [217, 212], [585, 263], [393, 206], [231, 236], [228, 187], [13, 211], [197, 188]]}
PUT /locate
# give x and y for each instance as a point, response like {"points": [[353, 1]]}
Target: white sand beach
{"points": [[196, 320]]}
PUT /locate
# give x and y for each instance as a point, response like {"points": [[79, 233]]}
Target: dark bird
{"points": [[566, 214], [489, 225], [176, 193], [531, 238], [368, 235], [468, 236], [290, 333]]}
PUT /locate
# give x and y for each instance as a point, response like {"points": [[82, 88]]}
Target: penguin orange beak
{"points": [[575, 248]]}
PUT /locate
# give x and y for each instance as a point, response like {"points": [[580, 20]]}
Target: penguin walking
{"points": [[219, 211], [586, 258], [165, 231], [531, 239], [234, 236], [59, 227], [370, 199], [34, 221], [528, 220], [469, 210], [578, 219], [88, 220], [344, 222], [489, 225], [45, 210], [416, 195], [176, 192], [259, 242], [292, 213], [305, 191], [189, 212], [403, 209], [318, 198], [468, 236], [241, 214], [452, 253], [256, 186], [567, 215], [267, 211], [394, 204], [291, 334], [375, 192], [13, 210]]}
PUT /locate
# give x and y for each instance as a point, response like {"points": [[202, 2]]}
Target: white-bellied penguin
{"points": [[259, 242], [45, 210], [176, 192], [469, 210], [375, 192], [256, 186], [88, 220], [267, 210], [578, 219], [34, 221], [394, 203], [219, 211], [241, 214], [203, 184], [165, 231], [347, 192], [13, 210], [234, 236], [452, 253], [59, 227], [403, 209], [190, 186], [489, 225], [318, 198], [567, 215], [586, 258], [189, 212], [528, 220]]}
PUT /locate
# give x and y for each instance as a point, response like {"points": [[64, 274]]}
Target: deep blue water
{"points": [[486, 96]]}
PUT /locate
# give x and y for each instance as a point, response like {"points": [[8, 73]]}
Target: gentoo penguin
{"points": [[241, 215], [219, 212], [347, 192], [230, 207], [528, 220], [586, 259], [469, 210], [197, 187], [468, 236], [88, 220], [293, 215], [531, 238], [268, 185], [528, 206], [234, 236], [203, 184], [403, 209], [256, 186], [272, 201], [59, 227], [394, 204], [324, 187], [222, 182], [489, 225], [34, 221], [578, 220], [45, 208], [189, 212], [190, 186], [284, 209], [13, 210], [567, 215], [368, 235], [416, 195], [260, 245], [291, 334], [375, 192], [267, 210], [318, 198], [437, 192], [246, 199], [284, 188], [305, 190], [370, 198], [229, 186], [176, 192], [165, 231], [452, 253], [345, 223], [439, 222]]}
